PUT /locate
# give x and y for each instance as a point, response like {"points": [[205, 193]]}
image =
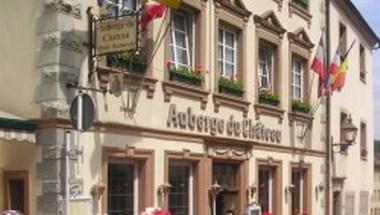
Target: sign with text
{"points": [[116, 35], [246, 128]]}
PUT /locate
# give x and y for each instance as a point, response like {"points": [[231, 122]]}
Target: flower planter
{"points": [[268, 101], [230, 91], [131, 63], [177, 77], [300, 106], [300, 109]]}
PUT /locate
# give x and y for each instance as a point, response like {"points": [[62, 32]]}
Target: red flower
{"points": [[267, 213], [169, 63]]}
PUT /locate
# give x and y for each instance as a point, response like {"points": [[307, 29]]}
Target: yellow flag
{"points": [[171, 3]]}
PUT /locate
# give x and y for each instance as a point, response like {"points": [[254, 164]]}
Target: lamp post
{"points": [[215, 190], [349, 133]]}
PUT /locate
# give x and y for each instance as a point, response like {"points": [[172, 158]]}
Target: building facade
{"points": [[217, 120]]}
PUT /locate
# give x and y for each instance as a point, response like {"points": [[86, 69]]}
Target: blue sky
{"points": [[370, 9]]}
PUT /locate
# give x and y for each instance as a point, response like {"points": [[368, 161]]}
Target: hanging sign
{"points": [[116, 35]]}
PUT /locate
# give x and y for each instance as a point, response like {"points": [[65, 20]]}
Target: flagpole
{"points": [[328, 103]]}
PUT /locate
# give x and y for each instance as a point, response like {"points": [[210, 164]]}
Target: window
{"points": [[181, 42], [342, 39], [16, 191], [121, 7], [300, 191], [265, 189], [350, 204], [363, 140], [181, 192], [363, 203], [226, 174], [227, 52], [266, 67], [122, 189], [362, 63], [343, 119], [304, 4], [298, 66]]}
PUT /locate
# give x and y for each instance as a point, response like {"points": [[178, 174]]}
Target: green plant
{"points": [[229, 84], [266, 96], [186, 72], [301, 106], [134, 61]]}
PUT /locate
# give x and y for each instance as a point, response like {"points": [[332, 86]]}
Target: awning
{"points": [[16, 129]]}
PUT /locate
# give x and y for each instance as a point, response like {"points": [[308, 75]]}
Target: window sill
{"points": [[149, 83], [299, 116], [363, 158], [269, 110], [231, 101], [171, 87], [301, 12]]}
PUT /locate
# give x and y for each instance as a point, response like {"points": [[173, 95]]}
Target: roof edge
{"points": [[355, 11]]}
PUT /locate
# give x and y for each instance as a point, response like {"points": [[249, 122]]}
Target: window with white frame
{"points": [[120, 7], [122, 188], [181, 193], [265, 64], [181, 43], [298, 66], [227, 57]]}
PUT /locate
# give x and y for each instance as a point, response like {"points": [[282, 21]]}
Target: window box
{"points": [[301, 106], [185, 75], [133, 62], [230, 87], [267, 97]]}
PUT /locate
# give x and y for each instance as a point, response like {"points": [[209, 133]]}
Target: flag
{"points": [[333, 68], [318, 62], [152, 10], [318, 65], [171, 3], [338, 74]]}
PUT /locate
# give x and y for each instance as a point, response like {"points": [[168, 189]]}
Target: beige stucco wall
{"points": [[356, 98], [19, 54], [19, 157]]}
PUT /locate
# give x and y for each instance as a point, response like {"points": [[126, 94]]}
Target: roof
{"points": [[360, 22]]}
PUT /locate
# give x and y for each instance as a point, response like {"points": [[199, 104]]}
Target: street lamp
{"points": [[349, 133]]}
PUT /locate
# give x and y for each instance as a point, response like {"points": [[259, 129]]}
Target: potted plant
{"points": [[185, 75], [131, 61], [230, 87], [301, 106], [268, 97]]}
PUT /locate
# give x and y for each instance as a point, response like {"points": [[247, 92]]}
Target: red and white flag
{"points": [[152, 10], [318, 65], [319, 62]]}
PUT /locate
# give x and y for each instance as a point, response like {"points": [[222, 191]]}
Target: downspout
{"points": [[328, 114]]}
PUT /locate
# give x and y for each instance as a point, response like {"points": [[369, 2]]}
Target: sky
{"points": [[370, 9]]}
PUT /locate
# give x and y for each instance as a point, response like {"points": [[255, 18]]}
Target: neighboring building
{"points": [[375, 204], [190, 132]]}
